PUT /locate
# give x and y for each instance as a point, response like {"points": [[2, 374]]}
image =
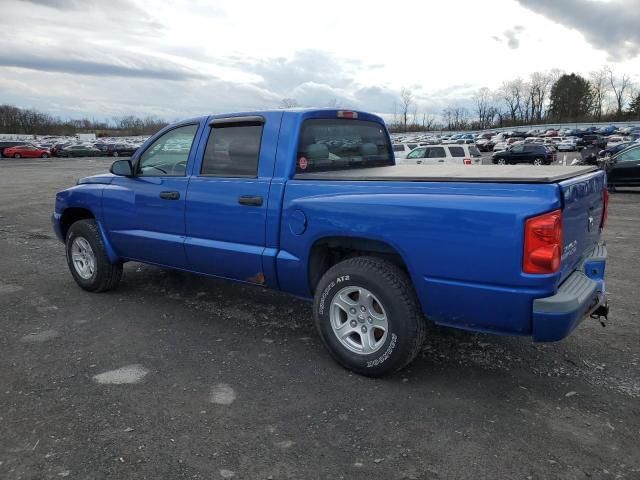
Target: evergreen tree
{"points": [[571, 98]]}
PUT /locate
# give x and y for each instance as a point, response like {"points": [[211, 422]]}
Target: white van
{"points": [[434, 154]]}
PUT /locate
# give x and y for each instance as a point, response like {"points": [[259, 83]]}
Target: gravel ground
{"points": [[178, 376]]}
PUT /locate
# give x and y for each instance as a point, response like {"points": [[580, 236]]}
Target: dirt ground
{"points": [[178, 376]]}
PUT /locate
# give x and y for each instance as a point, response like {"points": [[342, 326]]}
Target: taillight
{"points": [[347, 114], [467, 161], [543, 243], [605, 208]]}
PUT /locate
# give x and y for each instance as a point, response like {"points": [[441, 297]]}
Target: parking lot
{"points": [[230, 381]]}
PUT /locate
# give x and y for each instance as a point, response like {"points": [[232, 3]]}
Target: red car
{"points": [[26, 151]]}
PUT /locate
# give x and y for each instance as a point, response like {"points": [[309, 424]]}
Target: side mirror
{"points": [[122, 168]]}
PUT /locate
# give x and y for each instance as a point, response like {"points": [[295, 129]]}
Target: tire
{"points": [[538, 161], [393, 299], [17, 155], [115, 154], [502, 161], [44, 155], [104, 275]]}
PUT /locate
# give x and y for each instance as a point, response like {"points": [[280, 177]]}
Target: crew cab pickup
{"points": [[311, 202]]}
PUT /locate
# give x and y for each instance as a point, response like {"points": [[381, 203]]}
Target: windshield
{"points": [[340, 144]]}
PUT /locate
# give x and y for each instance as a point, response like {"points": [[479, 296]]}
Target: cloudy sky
{"points": [[173, 59]]}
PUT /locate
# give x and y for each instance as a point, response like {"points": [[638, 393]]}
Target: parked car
{"points": [[235, 206], [610, 151], [524, 153], [589, 139], [433, 154], [120, 149], [614, 140], [80, 151], [623, 169], [58, 147], [9, 143], [484, 144], [500, 146], [567, 145], [26, 151], [400, 150]]}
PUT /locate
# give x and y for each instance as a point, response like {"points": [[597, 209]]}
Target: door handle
{"points": [[170, 195], [250, 200]]}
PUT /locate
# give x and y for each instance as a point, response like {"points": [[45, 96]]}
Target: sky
{"points": [[180, 58]]}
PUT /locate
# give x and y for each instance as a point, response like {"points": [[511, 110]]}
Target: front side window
{"points": [[456, 152], [233, 151], [629, 156], [168, 155], [417, 153], [342, 144]]}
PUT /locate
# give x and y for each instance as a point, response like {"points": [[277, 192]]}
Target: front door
{"points": [[626, 169], [144, 214], [227, 199]]}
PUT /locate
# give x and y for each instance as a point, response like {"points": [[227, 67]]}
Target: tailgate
{"points": [[583, 203]]}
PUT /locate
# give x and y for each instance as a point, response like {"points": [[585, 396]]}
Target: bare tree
{"points": [[289, 103], [406, 101], [599, 89], [428, 121], [512, 97], [482, 100], [619, 87], [539, 84]]}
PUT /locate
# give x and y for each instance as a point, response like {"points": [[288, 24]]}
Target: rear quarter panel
{"points": [[462, 243]]}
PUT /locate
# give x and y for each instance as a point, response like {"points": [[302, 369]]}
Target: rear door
{"points": [[583, 201], [435, 155], [227, 199]]}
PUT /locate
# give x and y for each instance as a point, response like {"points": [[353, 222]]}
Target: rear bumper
{"points": [[579, 295]]}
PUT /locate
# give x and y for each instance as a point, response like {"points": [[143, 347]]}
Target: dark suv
{"points": [[589, 140], [524, 153], [120, 149]]}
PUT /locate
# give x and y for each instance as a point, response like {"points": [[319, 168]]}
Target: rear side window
{"points": [[341, 144], [474, 152], [232, 151], [437, 152], [456, 152]]}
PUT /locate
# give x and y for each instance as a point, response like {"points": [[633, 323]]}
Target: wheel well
{"points": [[327, 252], [72, 215]]}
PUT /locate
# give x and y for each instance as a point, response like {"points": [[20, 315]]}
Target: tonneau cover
{"points": [[454, 173]]}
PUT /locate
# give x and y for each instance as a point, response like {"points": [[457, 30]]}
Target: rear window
{"points": [[456, 151], [340, 144]]}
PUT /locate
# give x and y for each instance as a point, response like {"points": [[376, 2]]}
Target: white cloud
{"points": [[182, 58]]}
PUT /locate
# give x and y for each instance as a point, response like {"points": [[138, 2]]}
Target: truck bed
{"points": [[454, 173]]}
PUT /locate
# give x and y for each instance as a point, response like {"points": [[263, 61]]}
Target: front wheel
{"points": [[502, 161], [17, 155], [87, 258], [115, 154], [538, 161], [368, 316], [44, 155]]}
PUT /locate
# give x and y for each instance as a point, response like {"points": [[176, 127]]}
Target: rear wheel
{"points": [[368, 316], [17, 155], [87, 258], [502, 161], [115, 154], [538, 161], [44, 155]]}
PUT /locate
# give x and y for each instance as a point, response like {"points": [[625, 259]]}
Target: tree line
{"points": [[29, 121], [544, 97]]}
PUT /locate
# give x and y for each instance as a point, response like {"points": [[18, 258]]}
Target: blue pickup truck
{"points": [[311, 202]]}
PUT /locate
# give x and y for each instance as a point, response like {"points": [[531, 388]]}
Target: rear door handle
{"points": [[250, 200], [170, 195]]}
